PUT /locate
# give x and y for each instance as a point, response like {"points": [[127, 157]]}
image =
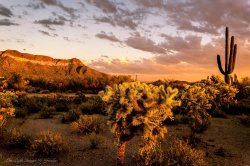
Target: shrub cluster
{"points": [[93, 105], [88, 124], [180, 153], [47, 144], [72, 115], [14, 138], [95, 140]]}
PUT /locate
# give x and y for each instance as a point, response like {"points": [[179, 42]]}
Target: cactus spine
{"points": [[229, 60]]}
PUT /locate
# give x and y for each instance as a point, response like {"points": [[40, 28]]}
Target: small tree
{"points": [[137, 107]]}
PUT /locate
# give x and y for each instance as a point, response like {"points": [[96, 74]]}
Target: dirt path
{"points": [[226, 142]]}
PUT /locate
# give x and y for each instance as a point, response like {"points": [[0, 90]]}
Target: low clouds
{"points": [[150, 3], [110, 36], [47, 33], [105, 5], [71, 11], [6, 22], [209, 16], [50, 22], [119, 20], [5, 11], [142, 43]]}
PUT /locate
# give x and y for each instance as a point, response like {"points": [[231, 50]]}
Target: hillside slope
{"points": [[40, 66]]}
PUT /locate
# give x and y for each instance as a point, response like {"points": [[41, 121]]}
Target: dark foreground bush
{"points": [[47, 144], [245, 120], [94, 105], [179, 153], [72, 115], [14, 138], [176, 153], [95, 140], [240, 107], [88, 124], [47, 112]]}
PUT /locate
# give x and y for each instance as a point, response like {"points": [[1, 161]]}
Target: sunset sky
{"points": [[154, 39]]}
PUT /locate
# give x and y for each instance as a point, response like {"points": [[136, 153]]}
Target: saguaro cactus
{"points": [[229, 60]]}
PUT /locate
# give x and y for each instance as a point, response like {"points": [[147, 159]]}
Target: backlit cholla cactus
{"points": [[196, 100], [137, 107]]}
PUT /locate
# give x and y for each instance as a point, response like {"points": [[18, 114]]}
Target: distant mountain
{"points": [[40, 66]]}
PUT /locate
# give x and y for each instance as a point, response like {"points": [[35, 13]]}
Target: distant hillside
{"points": [[40, 66]]}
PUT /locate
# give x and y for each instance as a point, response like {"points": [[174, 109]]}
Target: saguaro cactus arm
{"points": [[219, 64]]}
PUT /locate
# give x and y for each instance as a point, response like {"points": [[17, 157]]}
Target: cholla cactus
{"points": [[196, 99], [202, 96], [137, 107], [226, 92]]}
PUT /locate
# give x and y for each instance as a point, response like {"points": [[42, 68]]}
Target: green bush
{"points": [[72, 115], [88, 124], [47, 144], [16, 139]]}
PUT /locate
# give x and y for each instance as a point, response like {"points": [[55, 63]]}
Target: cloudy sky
{"points": [[154, 39]]}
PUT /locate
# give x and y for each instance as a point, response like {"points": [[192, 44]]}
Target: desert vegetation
{"points": [[140, 115], [118, 121]]}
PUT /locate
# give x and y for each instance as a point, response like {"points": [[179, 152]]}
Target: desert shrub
{"points": [[135, 107], [180, 153], [31, 104], [47, 144], [245, 120], [14, 138], [217, 113], [93, 105], [95, 140], [240, 107], [44, 92], [80, 98], [2, 160], [47, 112], [195, 102], [20, 112], [62, 107], [16, 81], [224, 95], [88, 124], [72, 115], [153, 156], [244, 88], [6, 109]]}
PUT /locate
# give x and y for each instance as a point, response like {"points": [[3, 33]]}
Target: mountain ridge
{"points": [[40, 66]]}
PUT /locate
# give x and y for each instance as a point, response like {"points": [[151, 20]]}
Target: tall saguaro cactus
{"points": [[229, 59]]}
